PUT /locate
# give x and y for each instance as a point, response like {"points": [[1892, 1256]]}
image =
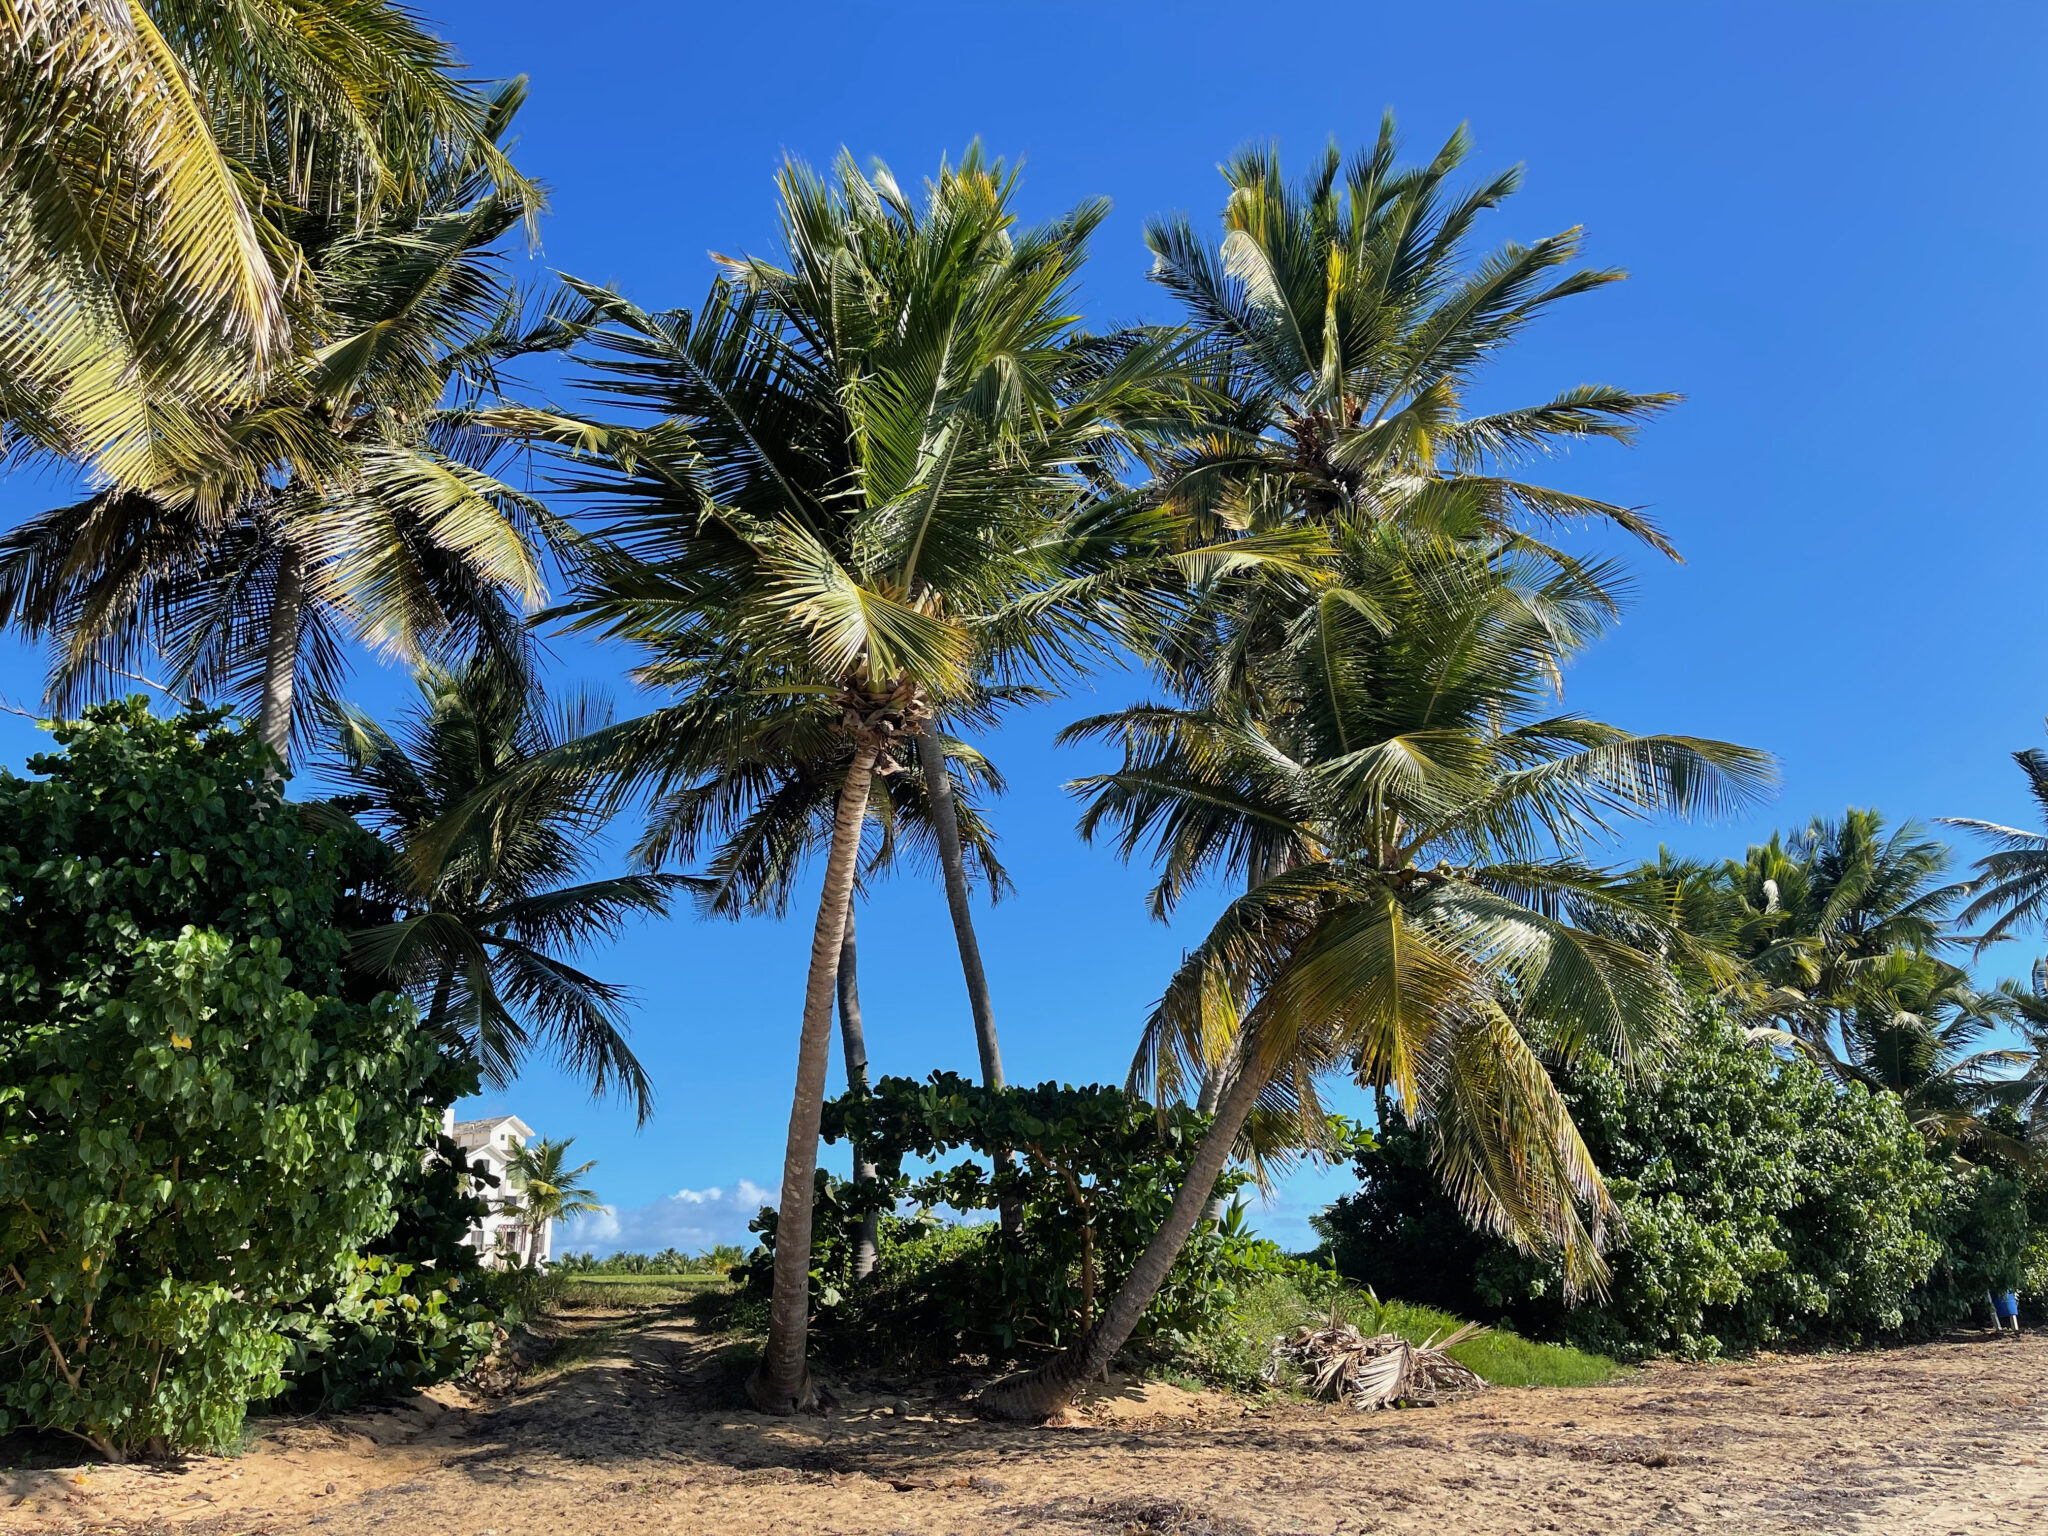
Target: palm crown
{"points": [[155, 158], [1419, 911], [483, 920], [1345, 320], [352, 500]]}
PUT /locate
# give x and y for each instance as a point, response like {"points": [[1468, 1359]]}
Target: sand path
{"points": [[641, 1436]]}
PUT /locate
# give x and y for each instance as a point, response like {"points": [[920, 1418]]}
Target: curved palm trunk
{"points": [[855, 1042], [281, 655], [931, 759], [781, 1383], [1039, 1393], [1216, 1080], [1215, 1083]]}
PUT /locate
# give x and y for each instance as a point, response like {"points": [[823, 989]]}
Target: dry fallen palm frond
{"points": [[1382, 1370]]}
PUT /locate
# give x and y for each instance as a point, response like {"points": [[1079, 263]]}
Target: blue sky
{"points": [[1833, 218]]}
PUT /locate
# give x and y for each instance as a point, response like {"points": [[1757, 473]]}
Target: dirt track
{"points": [[1928, 1441]]}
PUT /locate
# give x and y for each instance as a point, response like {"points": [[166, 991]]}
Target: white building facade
{"points": [[504, 1236]]}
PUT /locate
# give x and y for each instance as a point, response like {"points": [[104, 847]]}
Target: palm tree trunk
{"points": [[1215, 1082], [1045, 1391], [781, 1383], [1217, 1078], [281, 655], [851, 1036], [931, 758]]}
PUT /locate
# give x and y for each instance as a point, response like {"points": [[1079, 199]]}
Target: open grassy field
{"points": [[634, 1290]]}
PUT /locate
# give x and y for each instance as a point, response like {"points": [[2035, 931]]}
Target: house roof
{"points": [[470, 1134]]}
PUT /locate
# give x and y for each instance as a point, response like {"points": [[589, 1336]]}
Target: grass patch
{"points": [[636, 1290], [1236, 1355]]}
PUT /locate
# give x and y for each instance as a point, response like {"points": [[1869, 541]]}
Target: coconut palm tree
{"points": [[2011, 883], [481, 924], [1819, 918], [1915, 1031], [547, 1191], [847, 513], [1434, 928], [1344, 319], [153, 156], [354, 501]]}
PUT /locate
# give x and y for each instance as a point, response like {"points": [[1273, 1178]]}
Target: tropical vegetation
{"points": [[203, 1114], [879, 489]]}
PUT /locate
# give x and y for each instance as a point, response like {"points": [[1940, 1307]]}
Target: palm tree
{"points": [[547, 1191], [1433, 928], [756, 819], [1913, 1032], [2011, 884], [1818, 919], [847, 513], [355, 499], [1344, 319], [153, 156], [481, 923]]}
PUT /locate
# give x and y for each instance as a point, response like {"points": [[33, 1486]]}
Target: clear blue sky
{"points": [[1833, 215]]}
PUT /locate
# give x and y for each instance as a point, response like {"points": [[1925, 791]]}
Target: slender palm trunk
{"points": [[931, 759], [1039, 1393], [855, 1041], [1215, 1082], [281, 655], [781, 1383], [1217, 1079]]}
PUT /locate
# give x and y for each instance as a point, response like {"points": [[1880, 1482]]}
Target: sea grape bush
{"points": [[200, 1122], [1759, 1202], [1091, 1172], [417, 1307]]}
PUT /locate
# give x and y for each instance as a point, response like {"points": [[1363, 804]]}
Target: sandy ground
{"points": [[641, 1436]]}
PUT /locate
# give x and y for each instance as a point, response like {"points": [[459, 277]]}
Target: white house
{"points": [[503, 1236]]}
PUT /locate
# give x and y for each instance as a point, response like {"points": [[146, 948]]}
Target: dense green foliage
{"points": [[387, 1327], [200, 1123], [417, 1307], [1093, 1172], [1757, 1201]]}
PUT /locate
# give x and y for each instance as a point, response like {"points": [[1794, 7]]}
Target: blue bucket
{"points": [[2006, 1306]]}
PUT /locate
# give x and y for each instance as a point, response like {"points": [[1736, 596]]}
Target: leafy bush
{"points": [[1758, 1201], [1090, 1175], [386, 1328], [417, 1307], [199, 1125]]}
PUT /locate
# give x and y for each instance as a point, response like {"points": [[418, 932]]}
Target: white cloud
{"points": [[689, 1219]]}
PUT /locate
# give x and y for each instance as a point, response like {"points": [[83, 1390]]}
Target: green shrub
{"points": [[387, 1328], [944, 1291], [1758, 1202], [416, 1308], [1090, 1174], [199, 1125]]}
